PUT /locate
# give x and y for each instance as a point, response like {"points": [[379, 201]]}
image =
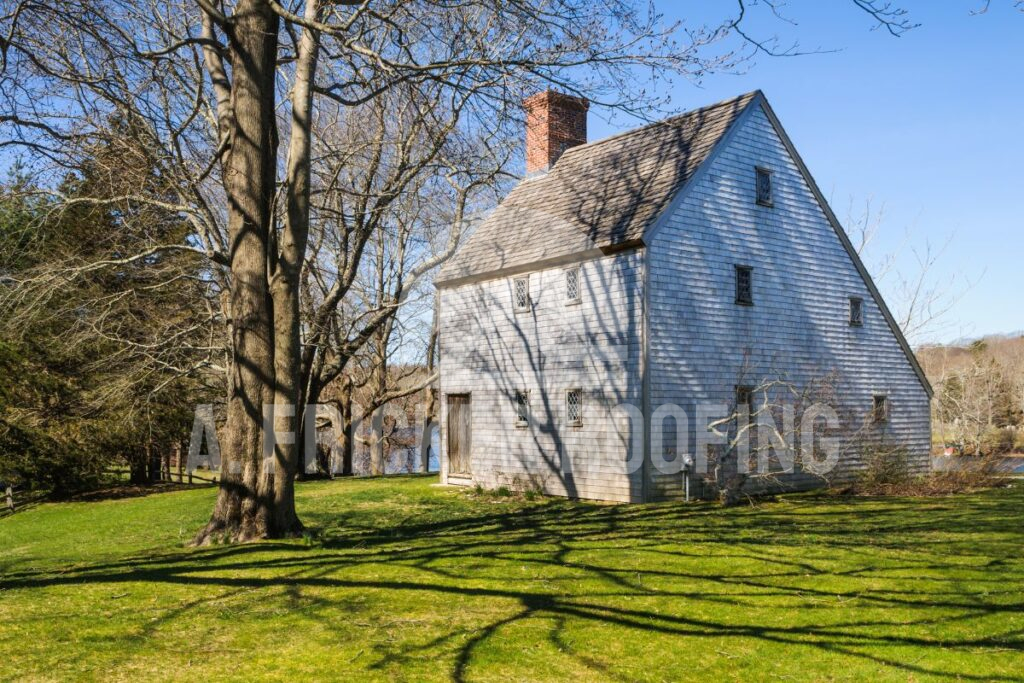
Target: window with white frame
{"points": [[764, 186], [522, 408], [521, 293], [572, 286], [574, 407]]}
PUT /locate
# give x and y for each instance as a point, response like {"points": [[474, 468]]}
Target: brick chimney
{"points": [[554, 123]]}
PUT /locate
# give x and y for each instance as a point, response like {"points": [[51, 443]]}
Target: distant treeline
{"points": [[979, 394]]}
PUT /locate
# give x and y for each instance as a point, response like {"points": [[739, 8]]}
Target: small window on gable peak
{"points": [[572, 286], [764, 186], [521, 294], [856, 311], [745, 285]]}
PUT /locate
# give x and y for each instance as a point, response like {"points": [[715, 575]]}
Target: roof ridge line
{"points": [[662, 122]]}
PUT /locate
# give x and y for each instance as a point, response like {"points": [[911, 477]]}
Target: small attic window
{"points": [[572, 286], [879, 408], [521, 294], [856, 311], [764, 186], [744, 285]]}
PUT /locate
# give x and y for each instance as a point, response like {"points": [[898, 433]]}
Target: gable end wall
{"points": [[702, 344]]}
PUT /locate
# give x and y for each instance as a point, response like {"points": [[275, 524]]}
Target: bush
{"points": [[34, 461], [884, 468], [997, 441], [887, 473], [1018, 441]]}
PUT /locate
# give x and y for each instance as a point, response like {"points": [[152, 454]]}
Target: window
{"points": [[572, 286], [880, 408], [574, 406], [764, 186], [745, 285], [522, 408], [856, 311], [745, 397], [521, 293]]}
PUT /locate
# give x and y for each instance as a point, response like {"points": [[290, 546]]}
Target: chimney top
{"points": [[554, 123]]}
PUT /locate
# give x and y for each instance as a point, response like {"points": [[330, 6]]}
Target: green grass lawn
{"points": [[409, 581]]}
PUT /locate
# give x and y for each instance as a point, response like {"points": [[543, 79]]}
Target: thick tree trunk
{"points": [[286, 282], [244, 509], [138, 469]]}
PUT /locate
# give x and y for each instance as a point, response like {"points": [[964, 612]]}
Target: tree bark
{"points": [[244, 510], [138, 468], [377, 442], [285, 286]]}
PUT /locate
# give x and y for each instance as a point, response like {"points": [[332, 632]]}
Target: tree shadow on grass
{"points": [[938, 564]]}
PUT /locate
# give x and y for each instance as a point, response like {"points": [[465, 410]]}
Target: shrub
{"points": [[997, 441], [33, 460], [887, 473], [1018, 441], [884, 468]]}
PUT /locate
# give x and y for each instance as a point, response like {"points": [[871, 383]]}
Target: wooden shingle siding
{"points": [[702, 344], [491, 351]]}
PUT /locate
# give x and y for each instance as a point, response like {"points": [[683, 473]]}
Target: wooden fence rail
{"points": [[15, 499]]}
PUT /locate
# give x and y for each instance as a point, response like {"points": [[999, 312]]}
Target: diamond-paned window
{"points": [[572, 286], [522, 408], [521, 293], [764, 187], [574, 406], [745, 285]]}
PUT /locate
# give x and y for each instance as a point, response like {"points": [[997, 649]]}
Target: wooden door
{"points": [[460, 434]]}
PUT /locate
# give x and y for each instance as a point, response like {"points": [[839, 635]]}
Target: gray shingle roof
{"points": [[598, 195]]}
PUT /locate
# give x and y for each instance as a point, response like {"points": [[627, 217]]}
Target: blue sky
{"points": [[928, 124]]}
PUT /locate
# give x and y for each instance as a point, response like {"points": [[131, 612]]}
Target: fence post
{"points": [[10, 498]]}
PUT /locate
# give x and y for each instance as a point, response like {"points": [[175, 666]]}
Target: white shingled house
{"points": [[678, 265]]}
